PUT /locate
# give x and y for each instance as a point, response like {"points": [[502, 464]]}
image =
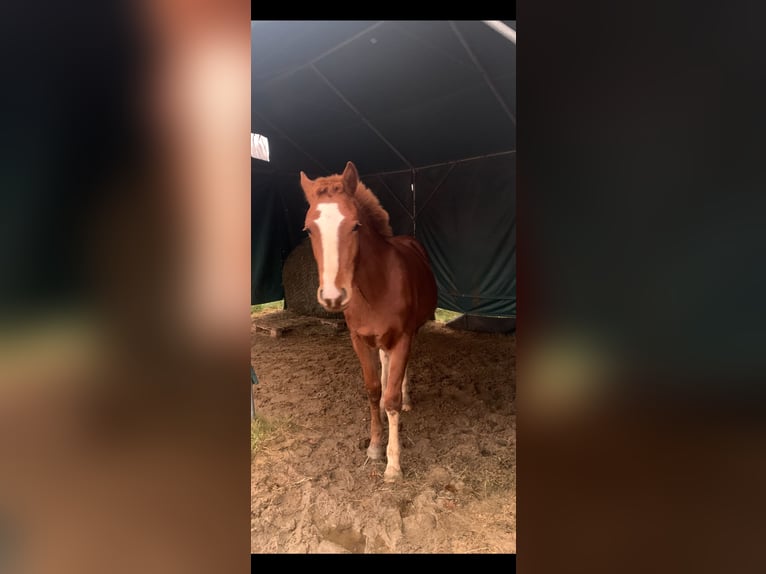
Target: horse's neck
{"points": [[371, 273]]}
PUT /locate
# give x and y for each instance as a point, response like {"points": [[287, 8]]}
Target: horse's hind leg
{"points": [[384, 364], [369, 362], [406, 402]]}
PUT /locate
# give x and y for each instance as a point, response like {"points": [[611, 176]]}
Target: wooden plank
{"points": [[338, 325], [273, 331], [276, 326]]}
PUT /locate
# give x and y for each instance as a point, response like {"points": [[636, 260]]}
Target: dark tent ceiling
{"points": [[400, 94]]}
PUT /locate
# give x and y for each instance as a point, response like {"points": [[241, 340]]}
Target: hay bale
{"points": [[300, 278]]}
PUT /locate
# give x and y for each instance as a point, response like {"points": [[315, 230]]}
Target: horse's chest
{"points": [[377, 327], [374, 338]]}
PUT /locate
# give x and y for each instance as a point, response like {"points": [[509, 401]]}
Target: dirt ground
{"points": [[313, 488]]}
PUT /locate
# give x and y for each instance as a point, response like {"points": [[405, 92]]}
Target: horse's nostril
{"points": [[333, 302]]}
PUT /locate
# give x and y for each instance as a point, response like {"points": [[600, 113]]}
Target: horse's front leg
{"points": [[384, 363], [368, 358], [392, 401]]}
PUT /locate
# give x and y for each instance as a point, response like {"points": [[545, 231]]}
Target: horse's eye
{"points": [[356, 227], [307, 230]]}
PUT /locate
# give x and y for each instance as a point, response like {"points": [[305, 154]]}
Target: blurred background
{"points": [[124, 287], [125, 280], [641, 312]]}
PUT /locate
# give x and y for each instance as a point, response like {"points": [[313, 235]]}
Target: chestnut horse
{"points": [[383, 285]]}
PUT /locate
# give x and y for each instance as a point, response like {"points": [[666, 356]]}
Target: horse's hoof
{"points": [[375, 452], [406, 407], [392, 475]]}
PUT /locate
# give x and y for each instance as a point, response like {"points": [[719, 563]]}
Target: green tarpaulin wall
{"points": [[423, 105], [465, 216]]}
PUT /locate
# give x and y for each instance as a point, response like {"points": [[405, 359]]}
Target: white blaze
{"points": [[328, 223]]}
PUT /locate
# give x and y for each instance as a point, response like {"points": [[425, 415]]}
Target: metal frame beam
{"points": [[282, 134], [361, 116], [487, 79], [315, 59]]}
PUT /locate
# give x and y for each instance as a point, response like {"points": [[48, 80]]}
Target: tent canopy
{"points": [[426, 111]]}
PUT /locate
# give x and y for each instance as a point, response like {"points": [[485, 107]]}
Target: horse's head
{"points": [[332, 222]]}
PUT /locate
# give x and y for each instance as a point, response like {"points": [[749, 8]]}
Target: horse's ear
{"points": [[351, 177], [307, 185]]}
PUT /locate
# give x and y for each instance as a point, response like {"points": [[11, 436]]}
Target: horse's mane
{"points": [[374, 214], [370, 211]]}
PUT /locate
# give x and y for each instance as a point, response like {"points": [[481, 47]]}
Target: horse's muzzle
{"points": [[336, 304]]}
